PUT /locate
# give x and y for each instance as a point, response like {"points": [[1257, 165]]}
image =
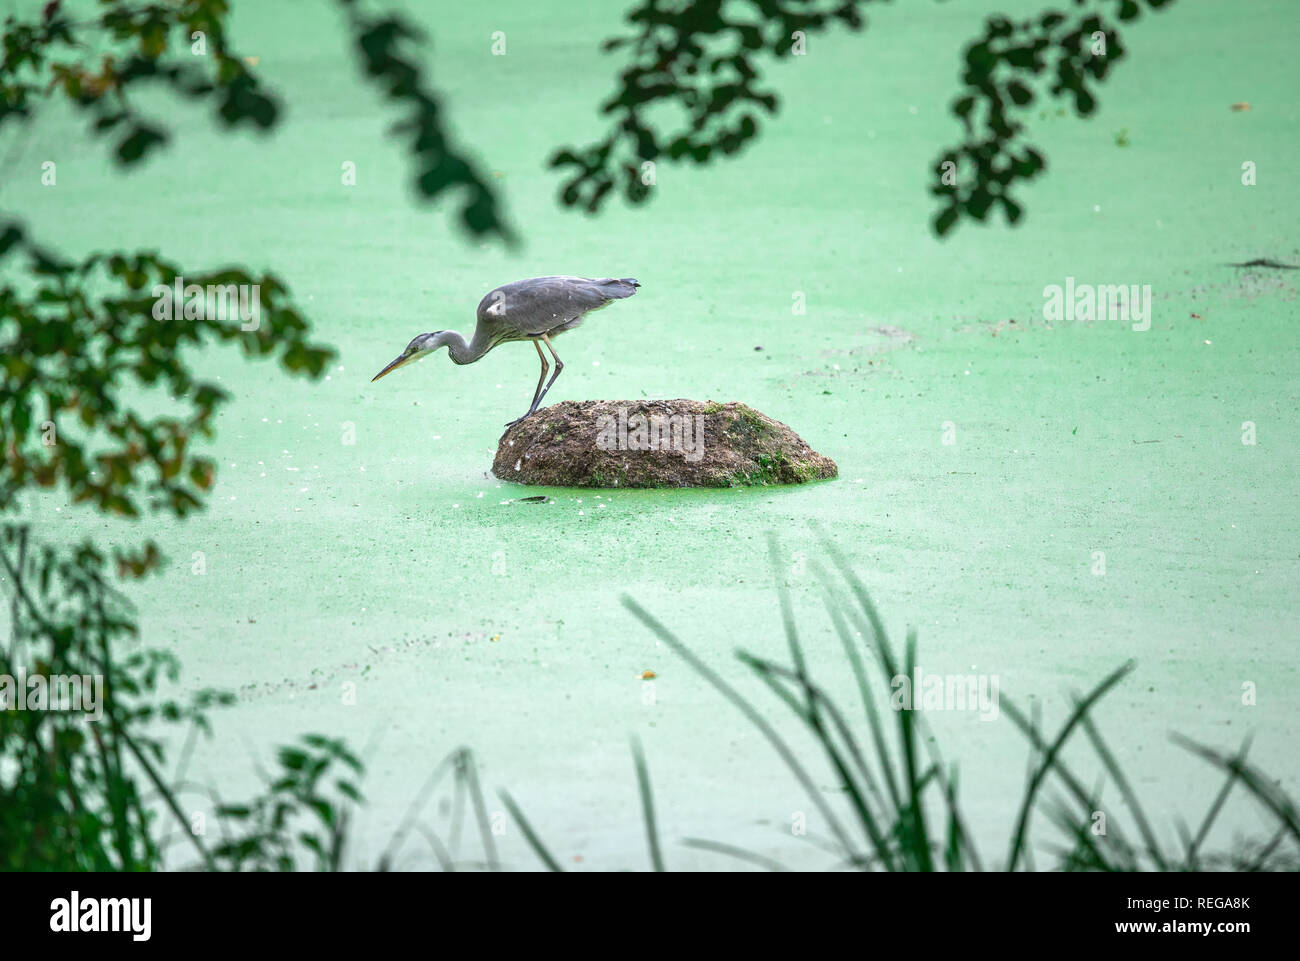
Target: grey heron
{"points": [[536, 309]]}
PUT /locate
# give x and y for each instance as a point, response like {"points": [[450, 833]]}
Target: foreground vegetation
{"points": [[902, 809], [80, 794], [80, 345]]}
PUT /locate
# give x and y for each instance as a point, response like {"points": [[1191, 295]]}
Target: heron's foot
{"points": [[520, 419]]}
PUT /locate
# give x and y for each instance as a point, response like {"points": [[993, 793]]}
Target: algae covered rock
{"points": [[655, 443]]}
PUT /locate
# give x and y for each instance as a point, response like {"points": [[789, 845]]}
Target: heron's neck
{"points": [[462, 351]]}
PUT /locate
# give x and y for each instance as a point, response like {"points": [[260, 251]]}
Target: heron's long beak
{"points": [[404, 359]]}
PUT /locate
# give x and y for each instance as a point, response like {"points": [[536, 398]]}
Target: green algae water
{"points": [[1042, 497]]}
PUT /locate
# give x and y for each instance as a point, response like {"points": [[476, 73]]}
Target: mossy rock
{"points": [[655, 443]]}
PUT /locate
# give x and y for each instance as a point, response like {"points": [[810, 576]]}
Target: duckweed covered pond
{"points": [[1042, 499]]}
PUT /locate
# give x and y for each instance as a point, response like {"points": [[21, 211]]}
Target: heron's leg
{"points": [[559, 366], [537, 394]]}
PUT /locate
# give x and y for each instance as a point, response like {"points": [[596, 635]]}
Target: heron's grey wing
{"points": [[541, 304]]}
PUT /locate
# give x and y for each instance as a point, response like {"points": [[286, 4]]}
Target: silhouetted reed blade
{"points": [[97, 802], [901, 809]]}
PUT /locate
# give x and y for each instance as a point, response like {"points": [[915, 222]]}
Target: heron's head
{"points": [[417, 348]]}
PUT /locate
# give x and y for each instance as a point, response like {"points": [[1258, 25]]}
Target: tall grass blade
{"points": [[1254, 780], [1216, 806], [1126, 789], [422, 796], [731, 850], [647, 805], [769, 732], [859, 591], [916, 839], [530, 835], [1081, 708], [466, 768], [768, 673], [864, 689]]}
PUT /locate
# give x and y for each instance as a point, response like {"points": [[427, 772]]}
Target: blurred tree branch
{"points": [[86, 348], [90, 333], [703, 57], [52, 54], [184, 47], [1001, 70], [77, 337], [439, 166]]}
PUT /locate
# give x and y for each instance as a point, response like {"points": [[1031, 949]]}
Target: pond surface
{"points": [[365, 576]]}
